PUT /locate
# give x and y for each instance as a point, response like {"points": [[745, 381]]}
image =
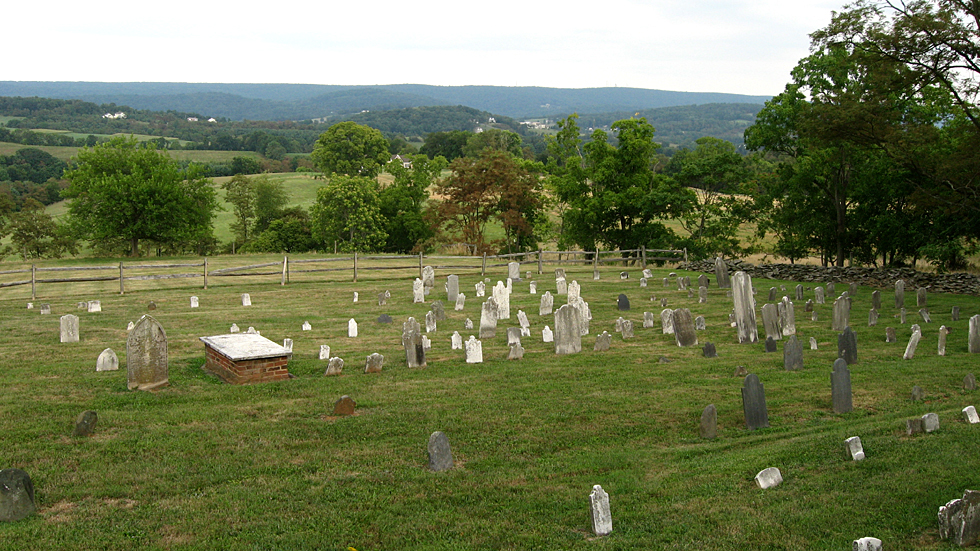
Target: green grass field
{"points": [[206, 465]]}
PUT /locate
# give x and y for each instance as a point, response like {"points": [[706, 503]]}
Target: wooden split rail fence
{"points": [[354, 264]]}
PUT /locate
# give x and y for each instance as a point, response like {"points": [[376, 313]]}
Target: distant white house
{"points": [[405, 161], [119, 115], [191, 119], [212, 119]]}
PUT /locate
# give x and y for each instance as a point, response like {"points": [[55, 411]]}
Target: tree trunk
{"points": [[134, 249]]}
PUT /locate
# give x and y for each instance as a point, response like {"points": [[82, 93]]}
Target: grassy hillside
{"points": [[206, 465]]}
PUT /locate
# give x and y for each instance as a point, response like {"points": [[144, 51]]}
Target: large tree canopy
{"points": [[120, 190], [347, 214], [352, 149]]}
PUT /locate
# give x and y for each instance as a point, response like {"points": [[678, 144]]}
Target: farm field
{"points": [[205, 465]]}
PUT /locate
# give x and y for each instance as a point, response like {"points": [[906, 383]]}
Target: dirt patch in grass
{"points": [[61, 511]]}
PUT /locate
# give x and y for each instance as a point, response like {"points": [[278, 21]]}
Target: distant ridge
{"points": [[309, 101]]}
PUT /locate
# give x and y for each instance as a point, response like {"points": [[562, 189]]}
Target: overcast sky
{"points": [[735, 46]]}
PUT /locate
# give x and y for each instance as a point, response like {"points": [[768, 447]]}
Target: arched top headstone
{"points": [[146, 355]]}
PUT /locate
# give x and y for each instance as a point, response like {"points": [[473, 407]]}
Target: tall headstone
{"points": [[428, 279], [418, 291], [649, 320], [748, 330], [754, 402], [899, 294], [709, 422], [902, 314], [108, 361], [430, 322], [474, 351], [702, 295], [412, 342], [440, 455], [876, 300], [852, 289], [667, 321], [842, 314], [913, 343], [452, 287], [703, 281], [601, 516], [770, 321], [324, 352], [351, 328], [16, 495], [772, 294], [627, 329], [457, 341], [533, 287], [872, 318], [502, 297], [831, 289], [561, 286], [818, 295], [460, 302], [840, 387], [684, 332], [847, 346], [568, 333], [793, 354], [574, 292], [721, 274], [974, 338], [514, 270], [813, 343], [480, 288], [547, 304], [787, 318], [955, 313], [146, 355], [488, 319], [585, 315], [69, 328], [799, 292], [920, 297]]}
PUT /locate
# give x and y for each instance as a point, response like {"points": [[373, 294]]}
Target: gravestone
{"points": [[841, 314], [351, 328], [547, 305], [667, 321], [69, 328], [920, 297], [624, 275], [663, 303], [481, 289], [627, 329], [501, 295], [440, 455], [647, 273], [574, 291], [847, 346], [872, 318], [513, 336], [876, 300], [721, 274], [601, 516], [430, 321], [799, 292], [547, 335], [16, 495], [740, 371], [355, 296], [924, 314], [324, 352], [374, 363], [918, 394], [854, 448], [335, 366], [623, 303], [602, 342], [94, 306], [452, 287], [709, 351], [699, 323], [684, 332], [808, 307], [748, 331], [561, 286], [438, 309], [534, 287], [516, 352], [959, 520], [474, 351], [818, 295], [831, 289], [426, 343], [770, 322], [252, 331], [153, 306], [955, 313], [970, 415], [974, 338], [585, 315], [754, 402], [840, 387], [890, 335], [930, 422], [108, 361], [488, 319], [246, 301], [456, 341], [418, 291], [648, 320], [666, 282], [866, 544], [384, 318], [813, 316], [344, 406], [233, 329], [709, 422], [703, 281], [522, 319], [287, 343], [85, 423], [559, 273], [941, 345], [792, 354], [813, 343], [45, 309], [428, 280], [146, 355], [902, 316], [412, 342], [969, 382], [852, 289], [914, 426], [769, 478], [770, 345], [899, 294], [468, 324], [306, 326], [383, 298], [568, 332], [772, 294], [913, 343]]}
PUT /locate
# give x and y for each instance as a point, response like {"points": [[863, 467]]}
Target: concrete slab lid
{"points": [[245, 346]]}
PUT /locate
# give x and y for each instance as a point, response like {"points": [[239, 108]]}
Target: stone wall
{"points": [[959, 283]]}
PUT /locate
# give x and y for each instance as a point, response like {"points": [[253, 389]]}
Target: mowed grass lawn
{"points": [[206, 465]]}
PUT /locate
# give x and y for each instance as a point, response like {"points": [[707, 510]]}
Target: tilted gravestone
{"points": [[970, 415], [793, 354], [769, 478], [847, 346], [840, 387], [913, 343], [959, 520], [412, 342], [601, 515], [335, 366], [85, 423], [899, 294], [748, 331], [146, 355], [16, 495], [770, 322], [440, 455], [754, 403], [709, 422], [721, 274], [684, 332], [568, 332], [855, 451]]}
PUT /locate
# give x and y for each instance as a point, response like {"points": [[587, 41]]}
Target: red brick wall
{"points": [[245, 371]]}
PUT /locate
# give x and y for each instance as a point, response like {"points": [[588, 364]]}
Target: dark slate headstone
{"points": [[385, 318], [956, 313], [754, 403], [852, 289], [876, 300], [85, 423], [439, 310], [709, 422], [440, 456], [344, 406], [709, 350], [793, 354], [151, 306], [808, 307], [917, 394], [740, 371], [623, 303], [969, 382], [703, 281], [847, 347], [840, 387], [16, 495], [684, 332], [890, 335], [921, 297], [772, 294], [914, 426], [770, 344]]}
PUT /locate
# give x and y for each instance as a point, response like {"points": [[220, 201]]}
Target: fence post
{"points": [[595, 261], [122, 289], [33, 282], [355, 266], [685, 255], [205, 273], [282, 279], [540, 254], [643, 252], [483, 271], [420, 264]]}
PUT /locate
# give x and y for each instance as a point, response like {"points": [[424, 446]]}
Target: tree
{"points": [[445, 144], [493, 138], [120, 190], [352, 149], [347, 213], [35, 234], [240, 192], [271, 199], [403, 200]]}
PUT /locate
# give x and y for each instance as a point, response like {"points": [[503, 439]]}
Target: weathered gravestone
{"points": [[754, 403], [813, 343], [474, 351], [546, 308], [974, 338], [914, 426], [899, 294], [667, 321], [793, 354], [513, 336], [514, 271], [94, 306], [547, 335], [770, 322], [430, 321], [684, 332], [440, 455], [287, 343], [772, 294], [516, 352], [438, 310], [648, 320], [699, 323], [872, 317], [108, 361], [930, 422], [385, 318], [460, 302], [233, 329], [412, 342], [452, 287], [918, 394], [855, 451], [771, 345], [344, 406], [468, 324], [45, 309], [703, 281], [146, 355], [418, 291], [799, 292], [585, 315], [561, 286], [481, 289], [623, 303], [383, 298], [428, 280], [902, 316], [769, 478], [306, 326], [574, 292], [69, 328], [533, 287], [847, 346], [601, 515], [840, 387], [921, 298], [374, 363], [913, 343], [568, 332], [709, 351], [85, 423], [627, 329], [970, 415], [924, 314], [831, 289], [866, 544], [501, 295], [748, 331], [16, 495], [721, 274], [890, 335], [335, 366], [351, 328], [818, 295], [709, 422], [959, 520], [456, 341], [246, 301], [702, 295], [969, 382], [841, 314], [876, 300], [488, 319], [955, 313]]}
